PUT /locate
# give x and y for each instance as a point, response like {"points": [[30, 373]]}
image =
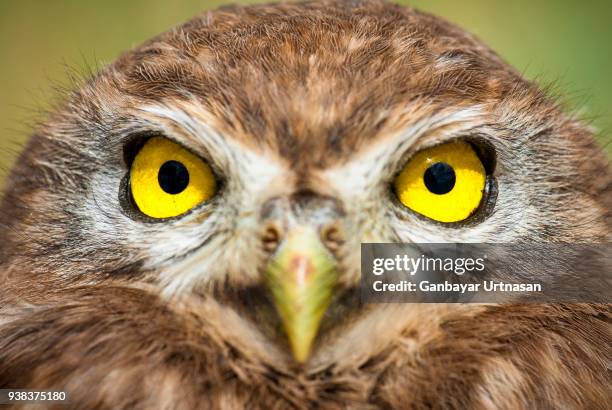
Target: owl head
{"points": [[243, 156]]}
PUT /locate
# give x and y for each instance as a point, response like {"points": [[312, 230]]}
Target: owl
{"points": [[184, 231]]}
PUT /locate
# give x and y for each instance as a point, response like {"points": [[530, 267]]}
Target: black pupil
{"points": [[173, 177], [439, 178]]}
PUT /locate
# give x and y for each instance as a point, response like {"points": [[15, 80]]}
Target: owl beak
{"points": [[301, 276]]}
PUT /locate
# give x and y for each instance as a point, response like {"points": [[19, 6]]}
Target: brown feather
{"points": [[84, 304]]}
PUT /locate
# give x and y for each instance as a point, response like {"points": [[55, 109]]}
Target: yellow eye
{"points": [[444, 183], [166, 180]]}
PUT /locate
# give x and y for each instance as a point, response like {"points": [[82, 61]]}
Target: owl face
{"points": [[244, 156]]}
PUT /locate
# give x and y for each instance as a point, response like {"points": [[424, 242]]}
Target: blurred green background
{"points": [[549, 40]]}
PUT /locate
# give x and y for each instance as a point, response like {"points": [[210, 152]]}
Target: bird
{"points": [[184, 230]]}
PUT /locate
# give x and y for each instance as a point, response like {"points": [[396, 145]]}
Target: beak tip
{"points": [[300, 349], [300, 356]]}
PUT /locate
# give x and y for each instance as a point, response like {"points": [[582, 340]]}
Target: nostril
{"points": [[270, 238], [332, 237]]}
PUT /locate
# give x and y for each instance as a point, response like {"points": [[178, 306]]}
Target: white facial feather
{"points": [[220, 240]]}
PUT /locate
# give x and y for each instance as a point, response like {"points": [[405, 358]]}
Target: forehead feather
{"points": [[323, 78]]}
